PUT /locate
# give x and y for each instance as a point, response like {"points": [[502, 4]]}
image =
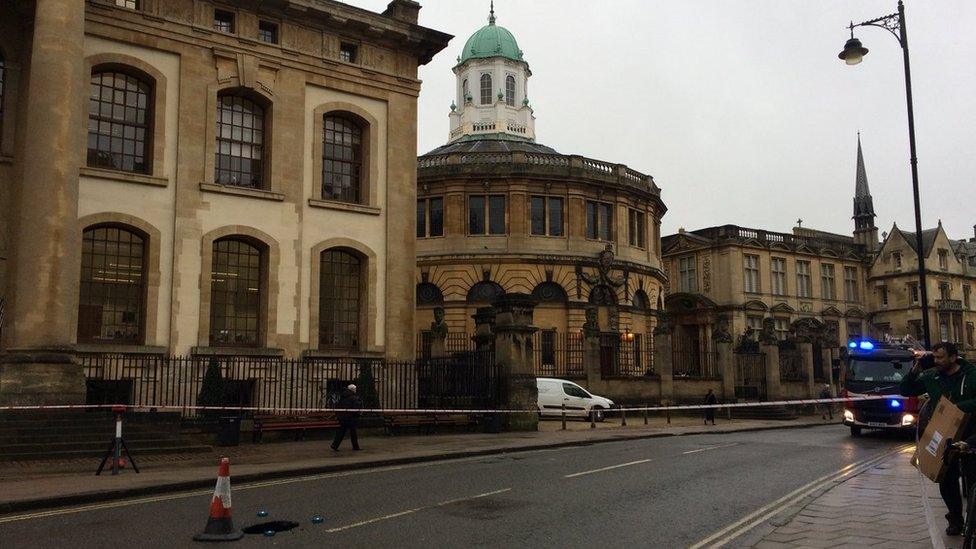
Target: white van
{"points": [[553, 393]]}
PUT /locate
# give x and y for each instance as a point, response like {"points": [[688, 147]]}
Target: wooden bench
{"points": [[297, 423], [430, 422]]}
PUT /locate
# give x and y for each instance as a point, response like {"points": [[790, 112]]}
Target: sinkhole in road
{"points": [[275, 526]]}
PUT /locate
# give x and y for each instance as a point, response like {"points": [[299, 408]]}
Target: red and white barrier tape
{"points": [[446, 411]]}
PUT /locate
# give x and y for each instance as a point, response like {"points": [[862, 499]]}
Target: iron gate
{"points": [[750, 376]]}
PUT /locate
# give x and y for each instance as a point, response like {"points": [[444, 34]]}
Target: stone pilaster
{"points": [[46, 249], [726, 367], [484, 328], [663, 359], [513, 356], [774, 390]]}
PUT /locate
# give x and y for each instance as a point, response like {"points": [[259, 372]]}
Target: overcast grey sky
{"points": [[741, 110]]}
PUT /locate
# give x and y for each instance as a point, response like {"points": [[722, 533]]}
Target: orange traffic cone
{"points": [[220, 525]]}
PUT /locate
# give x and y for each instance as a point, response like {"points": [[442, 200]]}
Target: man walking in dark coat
{"points": [[347, 419], [710, 399]]}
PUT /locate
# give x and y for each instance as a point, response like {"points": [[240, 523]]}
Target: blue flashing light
{"points": [[866, 345], [852, 345], [895, 403]]}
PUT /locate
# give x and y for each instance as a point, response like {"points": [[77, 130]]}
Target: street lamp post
{"points": [[853, 53]]}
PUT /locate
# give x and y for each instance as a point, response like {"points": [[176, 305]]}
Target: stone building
{"points": [[203, 177], [838, 286], [498, 212]]}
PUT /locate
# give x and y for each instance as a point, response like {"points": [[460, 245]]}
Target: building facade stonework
{"points": [[187, 176]]}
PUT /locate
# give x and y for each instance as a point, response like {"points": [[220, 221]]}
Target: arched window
{"points": [[549, 292], [236, 278], [111, 296], [464, 90], [342, 159], [240, 142], [485, 292], [510, 91], [339, 299], [641, 301], [486, 89], [119, 121], [429, 294]]}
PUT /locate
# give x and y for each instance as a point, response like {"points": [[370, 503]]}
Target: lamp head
{"points": [[853, 52]]}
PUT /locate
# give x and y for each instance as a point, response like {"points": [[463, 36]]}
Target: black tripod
{"points": [[117, 446]]}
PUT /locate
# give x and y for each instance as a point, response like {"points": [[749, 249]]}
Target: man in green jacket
{"points": [[954, 378]]}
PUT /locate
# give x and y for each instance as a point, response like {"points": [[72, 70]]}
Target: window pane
{"points": [[342, 160], [339, 299], [436, 216], [591, 220], [117, 121], [510, 91], [110, 304], [538, 215], [421, 218], [555, 216], [485, 89], [239, 142], [606, 221], [235, 293], [476, 214], [496, 214]]}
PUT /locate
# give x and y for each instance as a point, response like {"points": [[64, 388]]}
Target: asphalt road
{"points": [[663, 492]]}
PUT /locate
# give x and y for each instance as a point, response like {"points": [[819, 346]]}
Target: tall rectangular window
{"points": [[223, 21], [896, 259], [943, 260], [782, 326], [599, 220], [687, 275], [913, 293], [850, 283], [778, 275], [827, 289], [268, 32], [348, 52], [966, 299], [751, 273], [883, 292], [945, 290], [754, 322], [430, 217], [804, 285], [638, 228], [971, 334], [547, 216], [486, 214]]}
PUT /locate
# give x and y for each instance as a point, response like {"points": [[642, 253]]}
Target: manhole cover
{"points": [[274, 526]]}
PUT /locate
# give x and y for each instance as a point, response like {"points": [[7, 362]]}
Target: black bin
{"points": [[228, 431]]}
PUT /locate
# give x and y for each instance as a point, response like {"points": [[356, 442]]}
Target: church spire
{"points": [[861, 180], [865, 231]]}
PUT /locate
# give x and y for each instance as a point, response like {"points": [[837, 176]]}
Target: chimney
{"points": [[407, 11]]}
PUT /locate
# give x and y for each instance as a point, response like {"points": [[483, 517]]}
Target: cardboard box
{"points": [[948, 422]]}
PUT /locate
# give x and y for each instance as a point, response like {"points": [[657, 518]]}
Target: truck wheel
{"points": [[855, 431]]}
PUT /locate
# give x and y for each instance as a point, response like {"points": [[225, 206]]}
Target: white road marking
{"points": [[209, 491], [414, 510], [709, 448], [750, 521], [606, 468]]}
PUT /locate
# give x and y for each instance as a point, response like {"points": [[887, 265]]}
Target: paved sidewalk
{"points": [[880, 507], [40, 484]]}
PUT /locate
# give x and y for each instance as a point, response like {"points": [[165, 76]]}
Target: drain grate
{"points": [[273, 526]]}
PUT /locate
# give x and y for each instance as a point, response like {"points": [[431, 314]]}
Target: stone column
{"points": [[46, 248], [770, 350], [513, 356], [726, 367], [591, 348], [806, 354], [663, 359]]}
